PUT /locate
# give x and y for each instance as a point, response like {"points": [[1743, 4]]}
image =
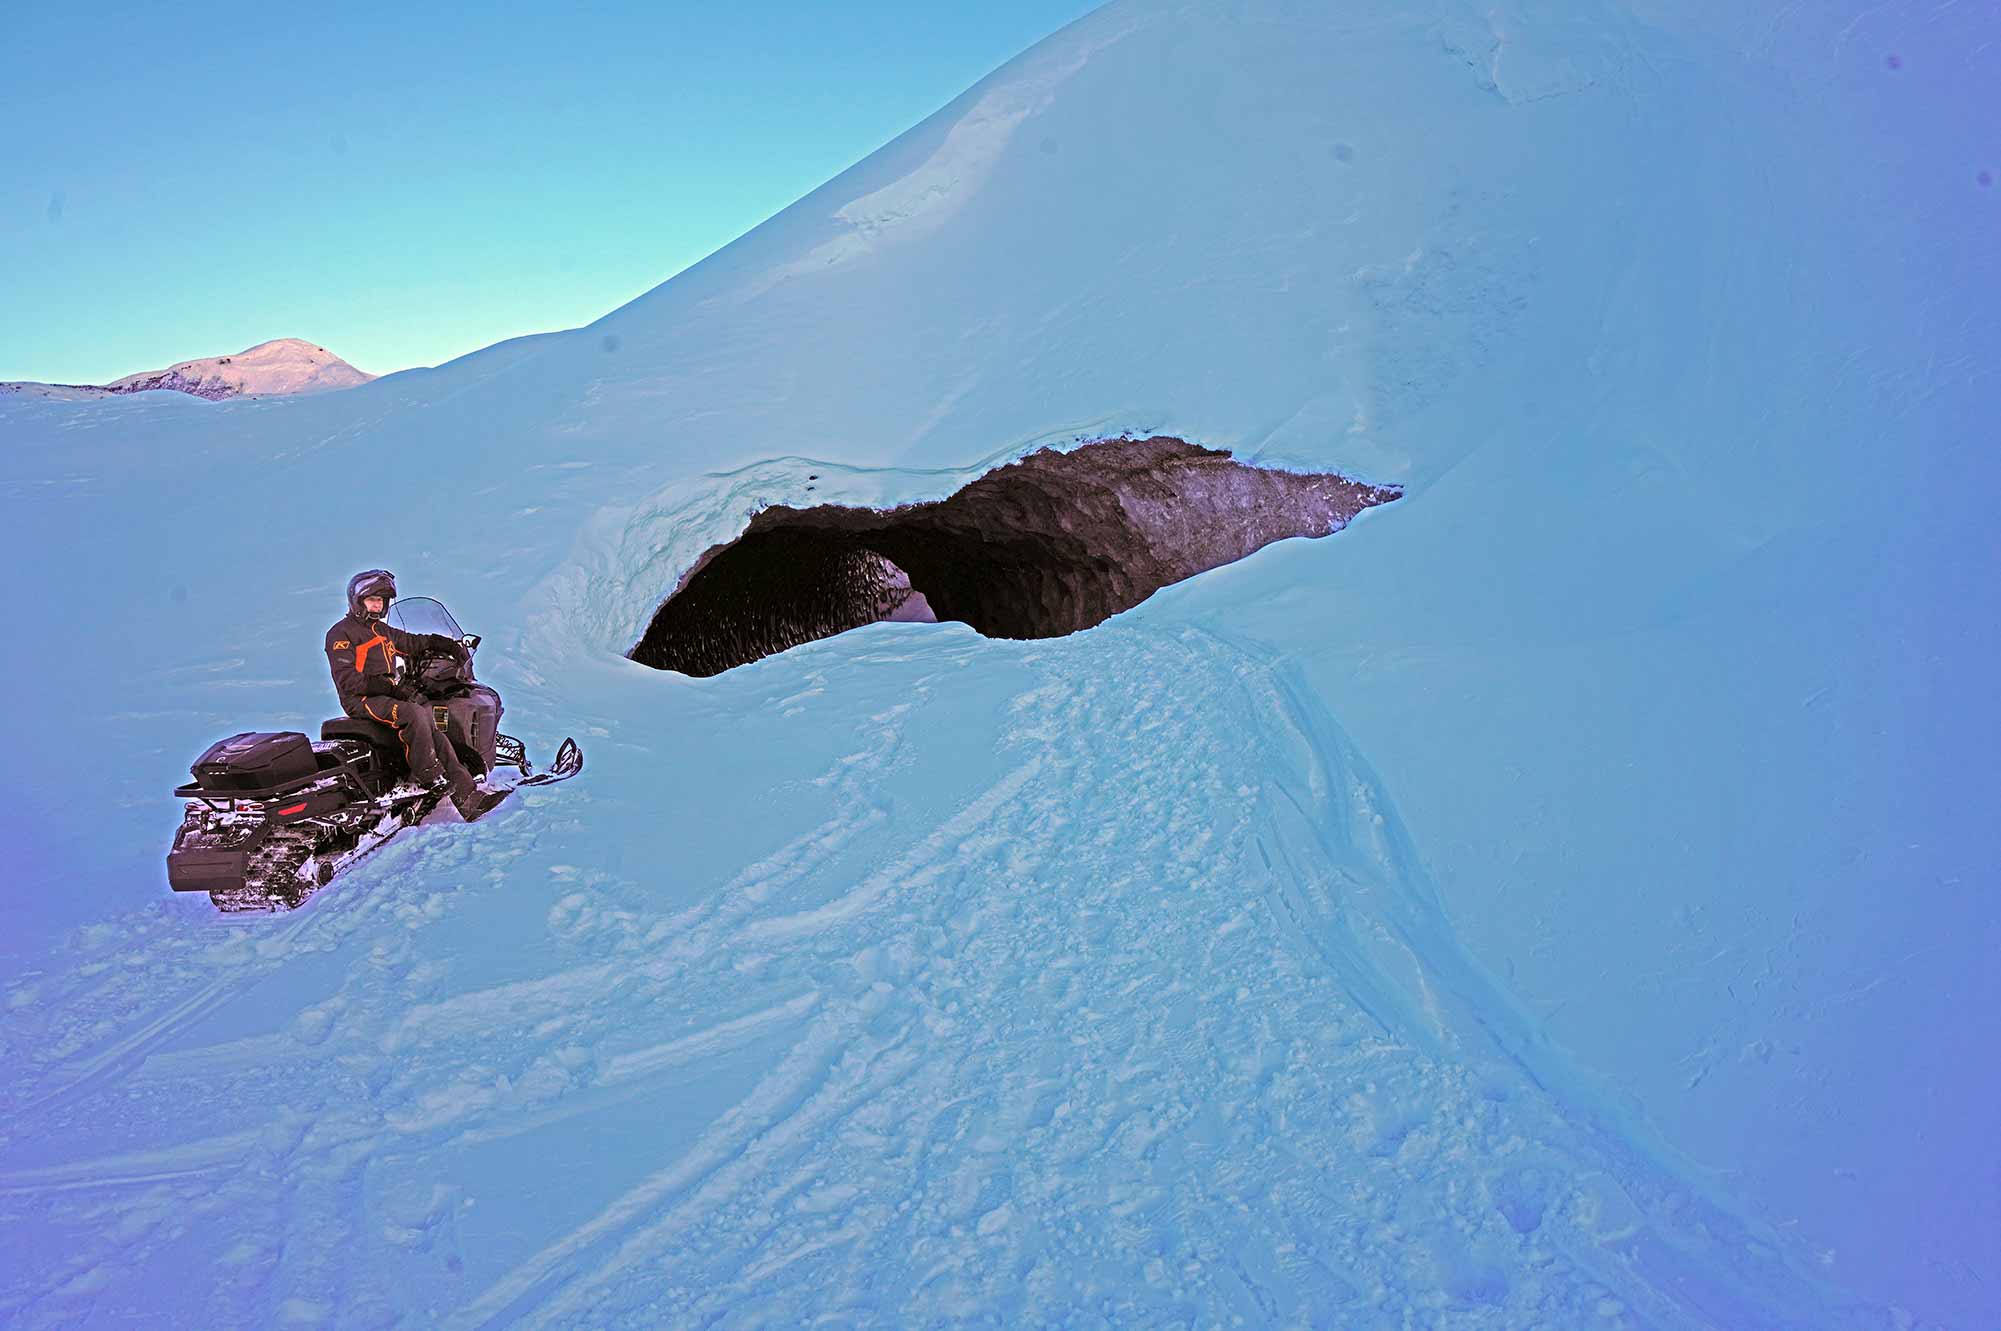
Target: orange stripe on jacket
{"points": [[361, 652]]}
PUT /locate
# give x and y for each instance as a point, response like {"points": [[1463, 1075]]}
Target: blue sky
{"points": [[403, 186]]}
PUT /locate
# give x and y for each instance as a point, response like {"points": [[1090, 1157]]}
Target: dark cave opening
{"points": [[1042, 547]]}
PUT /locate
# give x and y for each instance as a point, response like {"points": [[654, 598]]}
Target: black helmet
{"points": [[376, 582]]}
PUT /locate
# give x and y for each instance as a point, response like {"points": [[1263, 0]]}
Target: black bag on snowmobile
{"points": [[255, 760]]}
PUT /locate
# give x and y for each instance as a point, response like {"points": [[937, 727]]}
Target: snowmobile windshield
{"points": [[421, 614]]}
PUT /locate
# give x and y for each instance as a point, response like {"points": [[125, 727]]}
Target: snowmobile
{"points": [[273, 816]]}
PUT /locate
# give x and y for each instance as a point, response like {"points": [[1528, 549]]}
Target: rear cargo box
{"points": [[204, 861], [255, 760]]}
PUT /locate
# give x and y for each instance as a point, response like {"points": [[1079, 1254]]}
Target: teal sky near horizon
{"points": [[405, 187]]}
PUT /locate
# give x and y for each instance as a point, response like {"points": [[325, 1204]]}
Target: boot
{"points": [[478, 802]]}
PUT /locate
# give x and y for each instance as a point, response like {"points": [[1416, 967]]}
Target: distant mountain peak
{"points": [[281, 367]]}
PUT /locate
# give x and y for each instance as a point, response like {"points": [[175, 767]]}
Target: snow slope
{"points": [[1558, 900], [285, 365]]}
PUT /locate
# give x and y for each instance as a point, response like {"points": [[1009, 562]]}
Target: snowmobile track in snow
{"points": [[1236, 1082]]}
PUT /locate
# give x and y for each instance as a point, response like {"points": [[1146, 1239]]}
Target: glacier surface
{"points": [[1564, 898]]}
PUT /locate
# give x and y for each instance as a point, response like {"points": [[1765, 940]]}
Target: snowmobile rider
{"points": [[362, 650]]}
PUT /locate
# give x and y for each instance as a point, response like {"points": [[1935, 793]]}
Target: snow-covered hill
{"points": [[1558, 900], [284, 366]]}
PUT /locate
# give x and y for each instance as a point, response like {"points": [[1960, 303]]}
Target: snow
{"points": [[1557, 900], [52, 392]]}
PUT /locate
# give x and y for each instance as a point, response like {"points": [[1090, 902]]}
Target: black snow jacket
{"points": [[362, 653]]}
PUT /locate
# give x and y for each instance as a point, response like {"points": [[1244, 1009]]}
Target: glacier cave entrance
{"points": [[1045, 546]]}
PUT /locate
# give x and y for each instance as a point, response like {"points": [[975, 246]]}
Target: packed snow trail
{"points": [[1137, 1024]]}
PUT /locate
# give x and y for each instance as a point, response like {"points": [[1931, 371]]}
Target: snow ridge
{"points": [[924, 200]]}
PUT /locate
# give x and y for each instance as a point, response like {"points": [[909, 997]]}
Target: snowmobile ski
{"points": [[568, 762]]}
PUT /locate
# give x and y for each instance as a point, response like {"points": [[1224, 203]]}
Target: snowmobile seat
{"points": [[370, 732], [385, 739]]}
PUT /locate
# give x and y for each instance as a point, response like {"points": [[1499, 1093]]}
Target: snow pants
{"points": [[428, 751], [472, 720]]}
